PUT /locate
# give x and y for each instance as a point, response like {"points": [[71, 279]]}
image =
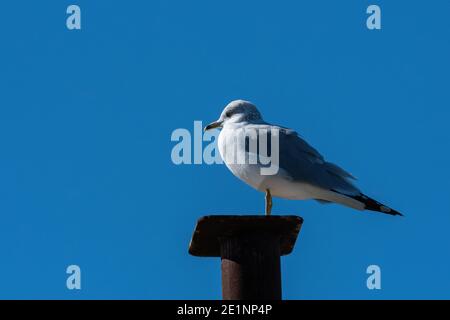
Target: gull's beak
{"points": [[213, 125]]}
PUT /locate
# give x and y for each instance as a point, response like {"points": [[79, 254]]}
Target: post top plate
{"points": [[209, 229]]}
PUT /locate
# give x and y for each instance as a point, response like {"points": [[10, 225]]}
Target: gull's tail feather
{"points": [[373, 205]]}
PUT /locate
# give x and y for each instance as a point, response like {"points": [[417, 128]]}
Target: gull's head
{"points": [[235, 112]]}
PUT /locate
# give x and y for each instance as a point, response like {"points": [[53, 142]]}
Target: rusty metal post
{"points": [[250, 248]]}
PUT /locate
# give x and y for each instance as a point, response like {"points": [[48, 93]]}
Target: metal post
{"points": [[250, 248]]}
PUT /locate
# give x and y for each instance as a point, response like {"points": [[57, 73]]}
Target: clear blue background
{"points": [[86, 117]]}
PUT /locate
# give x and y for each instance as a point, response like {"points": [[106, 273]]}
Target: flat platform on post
{"points": [[209, 230]]}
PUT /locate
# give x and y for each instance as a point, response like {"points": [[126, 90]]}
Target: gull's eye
{"points": [[228, 114]]}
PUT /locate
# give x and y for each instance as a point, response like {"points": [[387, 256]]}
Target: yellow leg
{"points": [[268, 202]]}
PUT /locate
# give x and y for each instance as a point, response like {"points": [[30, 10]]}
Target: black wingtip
{"points": [[392, 212], [373, 205]]}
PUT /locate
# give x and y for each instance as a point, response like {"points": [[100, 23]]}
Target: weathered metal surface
{"points": [[209, 229], [250, 248], [251, 267]]}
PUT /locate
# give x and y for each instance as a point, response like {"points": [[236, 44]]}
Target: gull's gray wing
{"points": [[303, 163]]}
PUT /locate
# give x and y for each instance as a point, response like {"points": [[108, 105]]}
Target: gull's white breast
{"points": [[280, 184]]}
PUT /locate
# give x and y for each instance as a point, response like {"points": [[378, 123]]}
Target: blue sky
{"points": [[86, 117]]}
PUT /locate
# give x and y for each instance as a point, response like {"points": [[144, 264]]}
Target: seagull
{"points": [[302, 172]]}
